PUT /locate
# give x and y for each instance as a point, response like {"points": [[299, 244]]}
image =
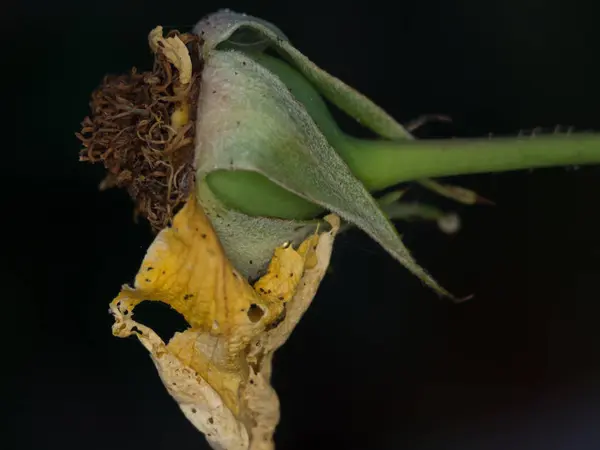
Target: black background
{"points": [[379, 362]]}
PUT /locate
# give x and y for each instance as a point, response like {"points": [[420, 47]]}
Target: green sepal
{"points": [[249, 241], [225, 26], [248, 120]]}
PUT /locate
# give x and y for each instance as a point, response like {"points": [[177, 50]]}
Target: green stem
{"points": [[381, 164]]}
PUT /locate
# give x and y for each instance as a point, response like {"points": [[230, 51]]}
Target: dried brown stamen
{"points": [[130, 130]]}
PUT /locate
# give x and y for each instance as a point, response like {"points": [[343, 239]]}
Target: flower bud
{"points": [[248, 120]]}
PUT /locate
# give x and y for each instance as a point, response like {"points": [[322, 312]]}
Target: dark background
{"points": [[379, 362]]}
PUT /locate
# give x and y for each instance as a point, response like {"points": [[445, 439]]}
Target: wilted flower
{"points": [[232, 155]]}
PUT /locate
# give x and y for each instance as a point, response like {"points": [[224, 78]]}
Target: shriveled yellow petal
{"points": [[285, 271], [219, 369], [174, 50], [204, 353], [282, 277], [308, 251], [259, 396], [201, 403], [186, 268]]}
